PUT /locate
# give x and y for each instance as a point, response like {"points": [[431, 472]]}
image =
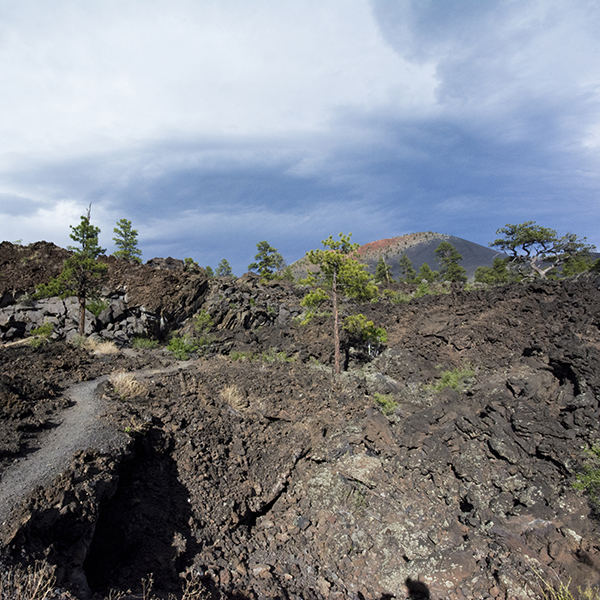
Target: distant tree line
{"points": [[446, 255], [531, 251]]}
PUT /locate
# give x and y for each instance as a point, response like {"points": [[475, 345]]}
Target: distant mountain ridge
{"points": [[420, 248]]}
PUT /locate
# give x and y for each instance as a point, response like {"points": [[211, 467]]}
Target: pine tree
{"points": [[224, 269], [576, 264], [534, 250], [497, 273], [126, 241], [383, 272], [448, 257], [407, 270], [268, 261], [425, 273], [82, 274], [339, 273]]}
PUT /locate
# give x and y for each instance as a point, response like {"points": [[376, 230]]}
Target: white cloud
{"points": [[48, 222], [95, 75]]}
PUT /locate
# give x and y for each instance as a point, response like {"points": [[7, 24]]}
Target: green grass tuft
{"points": [[386, 402], [182, 347], [141, 342], [96, 307], [456, 379], [41, 335], [589, 480]]}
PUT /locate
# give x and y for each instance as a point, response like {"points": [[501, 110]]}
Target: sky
{"points": [[215, 124]]}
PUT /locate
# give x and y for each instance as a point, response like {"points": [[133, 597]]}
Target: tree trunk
{"points": [[336, 332], [81, 314]]}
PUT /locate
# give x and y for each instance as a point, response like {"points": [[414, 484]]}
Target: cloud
{"points": [[112, 72], [492, 56], [14, 205], [48, 221], [214, 125]]}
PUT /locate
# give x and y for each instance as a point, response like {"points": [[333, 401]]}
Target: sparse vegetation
{"points": [[36, 582], [100, 347], [182, 347], [275, 355], [287, 274], [97, 306], [202, 322], [401, 298], [232, 395], [363, 331], [198, 342], [126, 385], [423, 289], [291, 452], [41, 335], [455, 379], [141, 342], [386, 403], [562, 590], [589, 480], [271, 356], [97, 346], [189, 264], [79, 341], [242, 356]]}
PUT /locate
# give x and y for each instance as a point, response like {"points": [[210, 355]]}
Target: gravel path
{"points": [[76, 428]]}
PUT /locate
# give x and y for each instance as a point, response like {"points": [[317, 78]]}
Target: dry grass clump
{"points": [[234, 397], [34, 583], [95, 345], [38, 582], [193, 589], [105, 348], [126, 385], [561, 590]]}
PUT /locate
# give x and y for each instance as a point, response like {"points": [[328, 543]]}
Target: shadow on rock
{"points": [[144, 528], [417, 590]]}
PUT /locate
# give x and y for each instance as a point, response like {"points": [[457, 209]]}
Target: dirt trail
{"points": [[76, 428], [80, 427]]}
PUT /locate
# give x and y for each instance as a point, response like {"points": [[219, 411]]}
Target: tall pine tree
{"points": [[126, 240], [82, 273], [339, 273], [448, 258]]}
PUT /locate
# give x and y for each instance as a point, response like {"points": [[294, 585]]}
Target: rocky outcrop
{"points": [[157, 305], [247, 303]]}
